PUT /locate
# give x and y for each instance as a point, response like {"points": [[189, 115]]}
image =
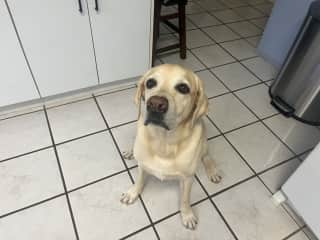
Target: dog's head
{"points": [[169, 95]]}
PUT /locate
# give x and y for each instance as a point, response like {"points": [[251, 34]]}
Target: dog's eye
{"points": [[151, 83], [183, 88]]}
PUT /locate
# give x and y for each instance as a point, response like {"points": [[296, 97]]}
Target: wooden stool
{"points": [[180, 29]]}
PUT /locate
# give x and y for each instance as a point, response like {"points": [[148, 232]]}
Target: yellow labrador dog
{"points": [[171, 139]]}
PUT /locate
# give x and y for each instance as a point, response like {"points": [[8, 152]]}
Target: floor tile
{"points": [[228, 113], [125, 136], [235, 76], [254, 41], [196, 38], [266, 8], [166, 40], [211, 130], [248, 12], [145, 234], [299, 236], [204, 19], [252, 215], [227, 16], [29, 179], [261, 68], [121, 103], [277, 176], [168, 9], [260, 22], [254, 2], [189, 24], [75, 120], [259, 146], [23, 134], [210, 224], [50, 221], [258, 100], [211, 5], [234, 3], [99, 213], [229, 165], [162, 198], [213, 56], [164, 29], [298, 136], [240, 49], [190, 62], [89, 159], [193, 7], [221, 33], [245, 29], [212, 85]]}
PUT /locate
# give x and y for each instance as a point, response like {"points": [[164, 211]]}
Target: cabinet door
{"points": [[16, 83], [58, 43], [121, 34]]}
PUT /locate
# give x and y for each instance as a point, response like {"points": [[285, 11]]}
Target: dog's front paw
{"points": [[189, 220], [130, 196], [128, 155]]}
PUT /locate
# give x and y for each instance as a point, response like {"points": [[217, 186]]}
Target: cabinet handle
{"points": [[97, 5], [80, 6]]}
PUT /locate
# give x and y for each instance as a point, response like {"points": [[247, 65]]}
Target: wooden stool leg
{"points": [[156, 28], [182, 31]]}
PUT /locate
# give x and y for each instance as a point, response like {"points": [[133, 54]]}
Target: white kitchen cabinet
{"points": [[16, 83], [121, 34], [58, 43]]}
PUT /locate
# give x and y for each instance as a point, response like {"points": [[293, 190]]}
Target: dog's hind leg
{"points": [[211, 169]]}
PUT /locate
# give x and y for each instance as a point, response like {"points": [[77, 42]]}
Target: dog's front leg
{"points": [[189, 220], [133, 193]]}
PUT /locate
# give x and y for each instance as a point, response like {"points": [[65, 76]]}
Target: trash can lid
{"points": [[315, 9]]}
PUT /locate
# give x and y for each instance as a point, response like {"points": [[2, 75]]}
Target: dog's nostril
{"points": [[157, 104]]}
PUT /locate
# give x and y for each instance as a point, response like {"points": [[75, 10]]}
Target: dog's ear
{"points": [[200, 102], [140, 91]]}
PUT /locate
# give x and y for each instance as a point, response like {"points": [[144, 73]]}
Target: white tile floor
{"points": [[62, 173]]}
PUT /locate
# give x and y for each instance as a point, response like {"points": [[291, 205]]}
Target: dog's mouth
{"points": [[156, 119]]}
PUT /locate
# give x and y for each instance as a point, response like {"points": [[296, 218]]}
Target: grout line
{"points": [[19, 114], [61, 174], [101, 179], [217, 209], [135, 232], [32, 205], [24, 154], [294, 233], [307, 235], [126, 166], [81, 137]]}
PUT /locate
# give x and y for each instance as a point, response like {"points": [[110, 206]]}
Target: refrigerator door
{"points": [[303, 190]]}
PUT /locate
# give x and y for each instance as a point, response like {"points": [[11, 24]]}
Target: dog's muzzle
{"points": [[157, 107]]}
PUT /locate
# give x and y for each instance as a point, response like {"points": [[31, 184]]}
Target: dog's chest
{"points": [[168, 161]]}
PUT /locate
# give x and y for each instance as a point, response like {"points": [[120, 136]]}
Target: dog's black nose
{"points": [[157, 104]]}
